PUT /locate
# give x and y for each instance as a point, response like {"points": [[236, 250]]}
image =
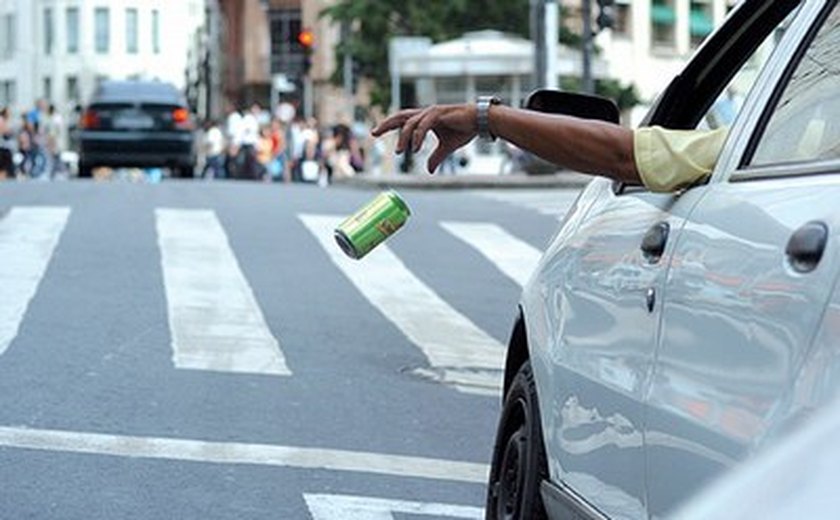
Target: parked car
{"points": [[137, 124], [666, 336]]}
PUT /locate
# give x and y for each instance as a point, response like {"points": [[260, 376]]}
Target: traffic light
{"points": [[306, 39], [606, 14]]}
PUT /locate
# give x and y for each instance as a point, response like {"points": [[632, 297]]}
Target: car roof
{"points": [[137, 91]]}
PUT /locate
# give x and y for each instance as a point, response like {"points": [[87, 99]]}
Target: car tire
{"points": [[519, 463], [184, 172], [85, 171]]}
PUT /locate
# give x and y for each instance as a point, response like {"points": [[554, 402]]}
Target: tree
{"points": [[373, 23]]}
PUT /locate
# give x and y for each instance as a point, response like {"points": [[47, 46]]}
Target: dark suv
{"points": [[137, 124]]}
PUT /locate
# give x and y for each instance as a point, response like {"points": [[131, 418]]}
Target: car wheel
{"points": [[85, 170], [519, 463], [184, 172]]}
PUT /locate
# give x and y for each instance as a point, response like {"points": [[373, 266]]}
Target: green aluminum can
{"points": [[372, 224]]}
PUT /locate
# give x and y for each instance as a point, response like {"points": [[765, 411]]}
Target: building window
{"points": [[286, 51], [131, 31], [72, 20], [72, 88], [48, 31], [8, 92], [663, 17], [623, 18], [155, 31], [7, 45], [102, 30], [701, 23], [46, 91]]}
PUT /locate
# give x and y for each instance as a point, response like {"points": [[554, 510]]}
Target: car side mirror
{"points": [[572, 104]]}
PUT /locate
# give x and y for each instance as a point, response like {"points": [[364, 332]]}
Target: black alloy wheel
{"points": [[519, 463]]}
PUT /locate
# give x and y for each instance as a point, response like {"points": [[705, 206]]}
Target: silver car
{"points": [[665, 337]]}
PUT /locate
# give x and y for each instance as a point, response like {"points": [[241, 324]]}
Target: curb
{"points": [[564, 180]]}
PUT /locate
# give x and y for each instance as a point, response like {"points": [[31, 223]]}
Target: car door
{"points": [[604, 294], [752, 269]]}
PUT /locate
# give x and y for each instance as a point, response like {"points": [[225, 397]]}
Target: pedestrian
{"points": [[214, 149], [296, 147], [661, 159], [233, 130], [33, 159], [248, 137], [337, 154], [311, 159], [52, 135], [7, 146], [277, 168], [264, 153]]}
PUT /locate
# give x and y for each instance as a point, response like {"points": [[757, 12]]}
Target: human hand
{"points": [[454, 126]]}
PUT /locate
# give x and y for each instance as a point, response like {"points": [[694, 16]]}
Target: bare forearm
{"points": [[587, 146]]}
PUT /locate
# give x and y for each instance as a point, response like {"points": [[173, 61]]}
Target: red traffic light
{"points": [[306, 38]]}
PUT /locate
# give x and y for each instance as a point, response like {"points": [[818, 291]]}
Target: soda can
{"points": [[372, 224]]}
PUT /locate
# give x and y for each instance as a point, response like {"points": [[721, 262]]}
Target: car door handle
{"points": [[653, 243], [806, 246]]}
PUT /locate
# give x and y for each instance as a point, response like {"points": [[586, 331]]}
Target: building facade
{"points": [[60, 49], [652, 40]]}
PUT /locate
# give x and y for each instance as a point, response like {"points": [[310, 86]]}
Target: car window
{"points": [[805, 123], [728, 104]]}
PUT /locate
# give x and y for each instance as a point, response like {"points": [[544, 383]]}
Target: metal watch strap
{"points": [[483, 104]]}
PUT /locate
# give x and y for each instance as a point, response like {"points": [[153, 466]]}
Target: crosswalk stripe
{"points": [[553, 203], [459, 353], [514, 257], [28, 237], [241, 453], [215, 321], [342, 507]]}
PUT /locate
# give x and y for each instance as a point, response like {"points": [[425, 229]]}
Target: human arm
{"points": [[583, 145]]}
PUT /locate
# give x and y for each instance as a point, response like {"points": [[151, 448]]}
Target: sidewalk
{"points": [[560, 180]]}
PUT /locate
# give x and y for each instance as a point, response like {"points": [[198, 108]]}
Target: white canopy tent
{"points": [[478, 63]]}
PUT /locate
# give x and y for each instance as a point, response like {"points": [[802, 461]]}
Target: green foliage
{"points": [[375, 22]]}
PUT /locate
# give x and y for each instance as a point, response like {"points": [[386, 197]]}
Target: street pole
{"points": [[347, 75], [587, 81], [537, 30], [544, 34], [551, 13]]}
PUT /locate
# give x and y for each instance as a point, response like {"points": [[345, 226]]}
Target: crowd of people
{"points": [[255, 144], [248, 143], [32, 147]]}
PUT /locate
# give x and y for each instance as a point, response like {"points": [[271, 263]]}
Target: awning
{"points": [[663, 14]]}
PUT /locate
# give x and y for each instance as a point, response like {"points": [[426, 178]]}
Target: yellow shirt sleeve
{"points": [[671, 159]]}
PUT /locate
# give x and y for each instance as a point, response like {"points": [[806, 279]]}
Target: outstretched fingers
{"points": [[395, 121], [437, 157]]}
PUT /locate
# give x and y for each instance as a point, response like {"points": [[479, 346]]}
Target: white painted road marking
{"points": [[241, 453], [344, 507], [215, 321], [514, 257], [460, 353], [28, 236]]}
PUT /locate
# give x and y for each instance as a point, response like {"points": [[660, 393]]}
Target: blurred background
{"points": [[287, 90]]}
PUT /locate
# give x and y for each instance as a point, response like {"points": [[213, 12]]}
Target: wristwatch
{"points": [[483, 104]]}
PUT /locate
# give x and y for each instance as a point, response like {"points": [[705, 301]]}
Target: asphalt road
{"points": [[202, 350]]}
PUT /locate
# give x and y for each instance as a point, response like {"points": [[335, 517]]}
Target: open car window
{"points": [[728, 104]]}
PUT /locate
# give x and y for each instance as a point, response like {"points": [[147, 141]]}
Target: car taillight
{"points": [[90, 120], [181, 118]]}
